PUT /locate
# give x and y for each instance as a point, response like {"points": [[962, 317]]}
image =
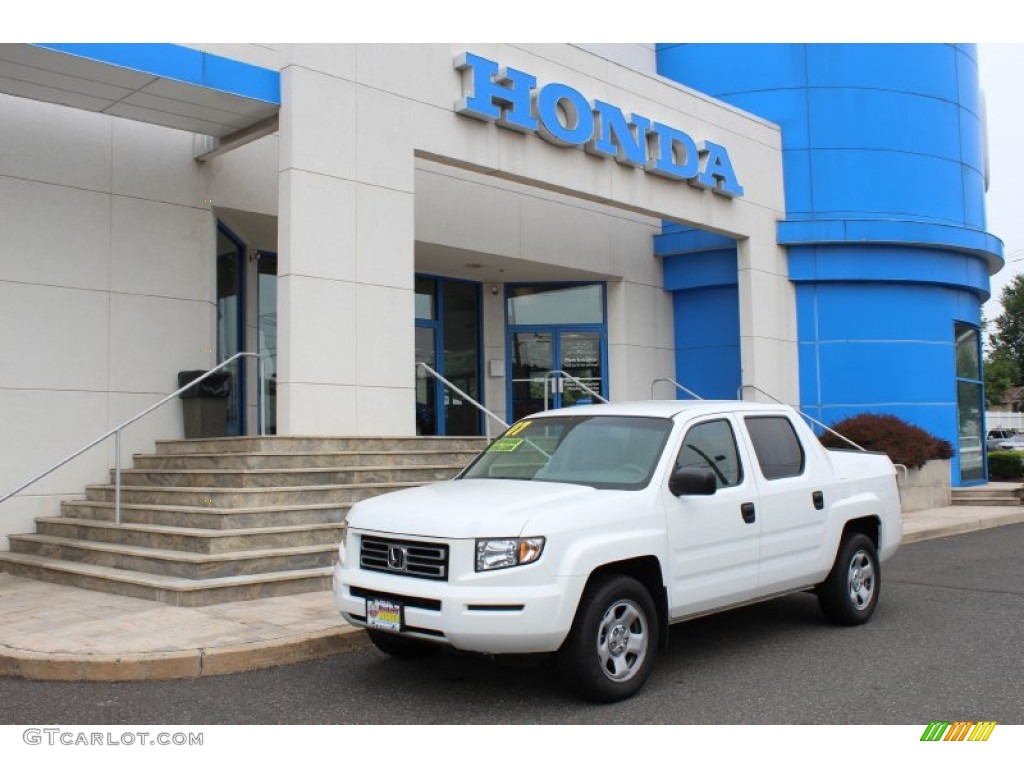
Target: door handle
{"points": [[819, 499], [747, 510]]}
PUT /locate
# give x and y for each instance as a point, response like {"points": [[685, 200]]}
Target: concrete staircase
{"points": [[989, 495], [226, 519]]}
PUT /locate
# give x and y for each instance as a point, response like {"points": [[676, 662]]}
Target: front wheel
{"points": [[611, 647], [850, 592]]}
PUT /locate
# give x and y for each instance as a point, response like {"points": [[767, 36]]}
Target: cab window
{"points": [[712, 445], [778, 449]]}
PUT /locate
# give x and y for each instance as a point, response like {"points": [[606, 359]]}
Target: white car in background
{"points": [[1015, 443], [997, 436]]}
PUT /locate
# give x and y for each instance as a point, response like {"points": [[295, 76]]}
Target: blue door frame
{"points": [[556, 330], [556, 333], [237, 414], [436, 326]]}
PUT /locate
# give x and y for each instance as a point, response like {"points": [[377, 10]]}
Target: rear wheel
{"points": [[850, 592], [401, 647], [611, 648]]}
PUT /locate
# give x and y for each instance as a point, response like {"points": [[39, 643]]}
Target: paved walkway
{"points": [[52, 632]]}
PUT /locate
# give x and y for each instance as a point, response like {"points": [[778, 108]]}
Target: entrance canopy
{"points": [[168, 85]]}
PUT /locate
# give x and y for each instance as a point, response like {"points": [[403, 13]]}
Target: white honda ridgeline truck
{"points": [[587, 531]]}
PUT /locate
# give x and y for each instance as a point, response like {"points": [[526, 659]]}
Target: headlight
{"points": [[341, 546], [492, 554]]}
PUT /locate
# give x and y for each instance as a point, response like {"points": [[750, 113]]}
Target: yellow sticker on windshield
{"points": [[506, 444], [517, 428]]}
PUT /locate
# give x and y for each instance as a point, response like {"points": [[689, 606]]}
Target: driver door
{"points": [[713, 540]]}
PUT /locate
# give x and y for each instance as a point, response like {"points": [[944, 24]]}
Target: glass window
{"points": [[266, 326], [461, 336], [968, 355], [969, 402], [972, 455], [230, 313], [712, 445], [426, 298], [426, 385], [618, 452], [555, 304], [778, 449]]}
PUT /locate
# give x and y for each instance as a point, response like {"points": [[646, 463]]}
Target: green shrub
{"points": [[1005, 465], [903, 442]]}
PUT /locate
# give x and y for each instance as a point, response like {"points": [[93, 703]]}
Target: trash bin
{"points": [[205, 406]]}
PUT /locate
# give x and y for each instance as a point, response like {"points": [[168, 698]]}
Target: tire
{"points": [[400, 647], [850, 593], [611, 648]]}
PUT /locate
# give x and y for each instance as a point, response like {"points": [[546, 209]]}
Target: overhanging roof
{"points": [[159, 83]]}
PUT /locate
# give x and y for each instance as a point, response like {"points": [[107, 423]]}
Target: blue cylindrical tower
{"points": [[883, 155]]}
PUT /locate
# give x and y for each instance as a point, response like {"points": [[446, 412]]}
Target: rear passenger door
{"points": [[713, 540], [791, 510]]}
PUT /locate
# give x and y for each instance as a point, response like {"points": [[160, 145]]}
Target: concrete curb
{"points": [[175, 665], [953, 528]]}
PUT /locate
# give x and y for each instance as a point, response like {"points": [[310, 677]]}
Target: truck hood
{"points": [[461, 509]]}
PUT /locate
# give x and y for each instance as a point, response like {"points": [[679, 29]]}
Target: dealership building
{"points": [[794, 221]]}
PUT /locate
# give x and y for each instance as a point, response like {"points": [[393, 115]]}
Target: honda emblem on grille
{"points": [[396, 558]]}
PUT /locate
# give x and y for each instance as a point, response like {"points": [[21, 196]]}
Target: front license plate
{"points": [[384, 614]]}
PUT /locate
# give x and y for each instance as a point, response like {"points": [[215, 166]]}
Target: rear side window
{"points": [[778, 449]]}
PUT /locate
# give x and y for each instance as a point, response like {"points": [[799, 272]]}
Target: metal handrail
{"points": [[739, 396], [678, 386], [550, 375], [741, 387], [116, 432], [479, 407]]}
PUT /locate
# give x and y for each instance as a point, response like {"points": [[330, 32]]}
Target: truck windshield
{"points": [[617, 452]]}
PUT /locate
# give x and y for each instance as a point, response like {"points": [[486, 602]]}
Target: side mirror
{"points": [[695, 481]]}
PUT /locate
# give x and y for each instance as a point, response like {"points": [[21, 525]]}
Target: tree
{"points": [[1001, 373], [1007, 341]]}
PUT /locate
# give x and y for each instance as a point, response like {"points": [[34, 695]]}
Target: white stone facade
{"points": [[107, 256]]}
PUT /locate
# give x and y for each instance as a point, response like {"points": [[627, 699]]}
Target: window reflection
{"points": [[555, 304]]}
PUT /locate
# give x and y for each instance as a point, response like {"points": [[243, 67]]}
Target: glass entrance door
{"points": [[554, 327], [448, 340], [537, 352], [266, 329], [427, 396], [230, 321]]}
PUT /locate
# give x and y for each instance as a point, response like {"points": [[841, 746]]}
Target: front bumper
{"points": [[486, 619]]}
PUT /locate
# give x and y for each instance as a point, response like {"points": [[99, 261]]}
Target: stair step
{"points": [[295, 460], [985, 491], [203, 540], [221, 519], [997, 496], [186, 565], [207, 517], [277, 478], [166, 589], [222, 498], [987, 495], [986, 502], [277, 444]]}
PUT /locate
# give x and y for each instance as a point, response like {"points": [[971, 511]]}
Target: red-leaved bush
{"points": [[903, 442]]}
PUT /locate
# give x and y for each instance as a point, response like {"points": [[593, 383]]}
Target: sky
{"points": [[1001, 72]]}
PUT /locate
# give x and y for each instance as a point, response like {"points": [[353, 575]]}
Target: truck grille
{"points": [[418, 559]]}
